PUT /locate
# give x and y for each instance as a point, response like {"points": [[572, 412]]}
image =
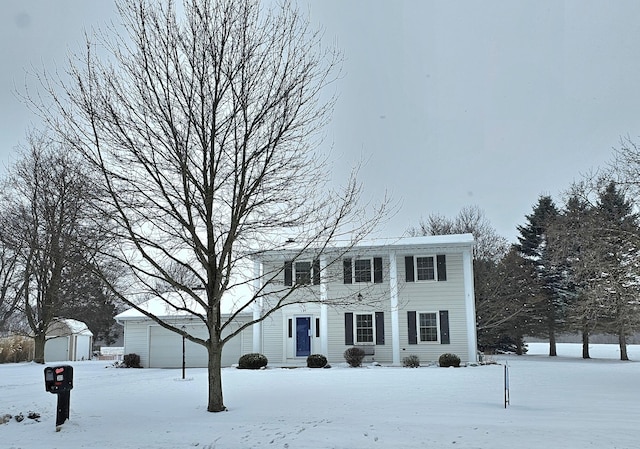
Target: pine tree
{"points": [[572, 249], [618, 286], [534, 248]]}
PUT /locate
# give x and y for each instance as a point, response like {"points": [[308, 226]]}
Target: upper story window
{"points": [[302, 272], [362, 270], [425, 268]]}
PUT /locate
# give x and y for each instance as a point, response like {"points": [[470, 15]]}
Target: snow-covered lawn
{"points": [[562, 402]]}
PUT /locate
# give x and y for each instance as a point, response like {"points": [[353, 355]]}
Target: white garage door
{"points": [[165, 349]]}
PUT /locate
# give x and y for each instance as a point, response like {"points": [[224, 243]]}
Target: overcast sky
{"points": [[452, 104]]}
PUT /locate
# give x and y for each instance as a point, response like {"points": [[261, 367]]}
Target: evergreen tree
{"points": [[572, 249], [548, 317], [618, 269]]}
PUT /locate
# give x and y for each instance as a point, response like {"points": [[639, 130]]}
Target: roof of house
{"points": [[398, 244], [178, 305]]}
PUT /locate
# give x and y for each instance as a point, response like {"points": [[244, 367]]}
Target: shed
{"points": [[68, 340]]}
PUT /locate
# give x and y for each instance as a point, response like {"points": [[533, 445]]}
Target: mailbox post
{"points": [[59, 381]]}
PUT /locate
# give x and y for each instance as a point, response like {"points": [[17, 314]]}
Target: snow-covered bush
{"points": [[411, 361], [446, 360], [354, 356], [316, 361], [131, 360], [252, 361]]}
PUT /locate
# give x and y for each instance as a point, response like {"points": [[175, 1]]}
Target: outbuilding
{"points": [[68, 340]]}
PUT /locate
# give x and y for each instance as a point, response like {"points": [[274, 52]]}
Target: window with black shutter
{"points": [[288, 273], [348, 276], [442, 267], [377, 270]]}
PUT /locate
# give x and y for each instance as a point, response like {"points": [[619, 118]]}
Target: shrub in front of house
{"points": [[316, 361], [354, 356], [446, 360], [131, 360], [412, 361], [252, 360]]}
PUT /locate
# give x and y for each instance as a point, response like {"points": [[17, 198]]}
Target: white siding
{"points": [[136, 340], [434, 296], [421, 296]]}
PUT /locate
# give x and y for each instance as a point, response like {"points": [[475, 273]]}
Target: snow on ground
{"points": [[556, 402]]}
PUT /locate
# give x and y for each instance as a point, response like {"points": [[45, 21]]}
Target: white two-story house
{"points": [[394, 298]]}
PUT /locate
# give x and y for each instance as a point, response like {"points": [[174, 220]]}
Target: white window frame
{"points": [[355, 328], [353, 269], [435, 268], [428, 342]]}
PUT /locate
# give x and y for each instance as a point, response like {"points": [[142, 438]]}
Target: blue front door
{"points": [[303, 336]]}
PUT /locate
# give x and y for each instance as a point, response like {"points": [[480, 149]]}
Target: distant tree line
{"points": [[574, 269]]}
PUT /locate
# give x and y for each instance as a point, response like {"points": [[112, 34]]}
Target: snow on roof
{"points": [[172, 305], [75, 327], [400, 244], [394, 242]]}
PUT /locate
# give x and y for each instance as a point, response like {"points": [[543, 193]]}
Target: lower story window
{"points": [[428, 326], [364, 328]]}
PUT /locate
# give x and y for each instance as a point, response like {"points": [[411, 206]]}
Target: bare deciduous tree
{"points": [[471, 219], [10, 284], [44, 223], [205, 126]]}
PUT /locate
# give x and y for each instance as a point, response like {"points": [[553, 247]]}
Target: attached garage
{"points": [[159, 347], [165, 349]]}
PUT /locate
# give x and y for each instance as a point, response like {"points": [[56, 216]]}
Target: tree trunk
{"points": [[216, 403], [552, 343], [38, 347], [519, 345], [585, 343], [622, 340]]}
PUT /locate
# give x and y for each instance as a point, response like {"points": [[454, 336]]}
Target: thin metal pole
{"points": [[506, 385], [183, 359]]}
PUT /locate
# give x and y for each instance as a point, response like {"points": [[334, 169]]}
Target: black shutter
{"points": [[317, 327], [442, 267], [413, 333], [379, 328], [346, 263], [290, 328], [444, 327], [348, 329], [288, 273], [316, 272], [408, 268], [377, 270]]}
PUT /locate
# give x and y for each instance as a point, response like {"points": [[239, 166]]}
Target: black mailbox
{"points": [[58, 379]]}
